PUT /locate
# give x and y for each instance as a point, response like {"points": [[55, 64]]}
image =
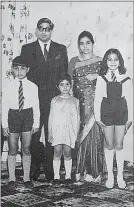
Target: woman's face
{"points": [[85, 45]]}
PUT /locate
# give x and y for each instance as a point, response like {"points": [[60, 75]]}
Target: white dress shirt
{"points": [[42, 45], [10, 100], [101, 91]]}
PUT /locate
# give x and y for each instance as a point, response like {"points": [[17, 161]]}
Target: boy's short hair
{"points": [[19, 61], [45, 20], [64, 76]]}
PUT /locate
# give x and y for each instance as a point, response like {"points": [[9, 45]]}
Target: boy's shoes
{"points": [[56, 182], [121, 183], [11, 186], [110, 183], [68, 181], [28, 184]]}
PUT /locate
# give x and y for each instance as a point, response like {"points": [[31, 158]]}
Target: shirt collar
{"points": [[42, 44], [116, 72], [23, 80]]}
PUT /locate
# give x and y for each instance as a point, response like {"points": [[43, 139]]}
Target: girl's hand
{"points": [[127, 126], [34, 130], [102, 125], [6, 132]]}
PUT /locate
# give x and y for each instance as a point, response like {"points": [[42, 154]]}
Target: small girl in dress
{"points": [[113, 110], [63, 127]]}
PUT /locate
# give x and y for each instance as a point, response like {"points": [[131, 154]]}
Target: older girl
{"points": [[113, 110]]}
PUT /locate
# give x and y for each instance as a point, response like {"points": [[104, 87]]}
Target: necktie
{"points": [[21, 97], [45, 52], [113, 77]]}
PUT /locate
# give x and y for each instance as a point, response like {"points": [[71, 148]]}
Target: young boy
{"points": [[20, 115]]}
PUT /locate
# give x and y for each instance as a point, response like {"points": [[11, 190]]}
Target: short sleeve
{"points": [[71, 66]]}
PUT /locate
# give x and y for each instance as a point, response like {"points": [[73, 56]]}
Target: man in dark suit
{"points": [[47, 60]]}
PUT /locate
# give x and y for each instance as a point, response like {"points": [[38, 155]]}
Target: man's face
{"points": [[44, 32]]}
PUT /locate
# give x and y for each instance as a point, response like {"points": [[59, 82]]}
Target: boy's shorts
{"points": [[20, 121], [114, 112]]}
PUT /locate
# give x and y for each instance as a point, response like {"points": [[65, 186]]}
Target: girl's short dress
{"points": [[114, 110], [64, 120]]}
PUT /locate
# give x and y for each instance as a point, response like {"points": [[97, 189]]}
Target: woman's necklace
{"points": [[61, 96]]}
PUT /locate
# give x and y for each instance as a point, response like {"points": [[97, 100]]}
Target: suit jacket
{"points": [[45, 74]]}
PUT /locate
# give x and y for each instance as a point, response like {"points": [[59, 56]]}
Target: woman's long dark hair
{"points": [[103, 66]]}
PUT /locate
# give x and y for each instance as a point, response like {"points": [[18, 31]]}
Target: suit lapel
{"points": [[51, 52]]}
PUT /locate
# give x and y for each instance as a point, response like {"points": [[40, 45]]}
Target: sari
{"points": [[90, 140]]}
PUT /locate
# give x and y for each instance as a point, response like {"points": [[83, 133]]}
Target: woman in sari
{"points": [[84, 71]]}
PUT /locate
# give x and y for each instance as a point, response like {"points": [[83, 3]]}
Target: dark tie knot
{"points": [[45, 52], [113, 76], [45, 45], [20, 84]]}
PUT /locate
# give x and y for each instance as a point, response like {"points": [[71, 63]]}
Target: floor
{"points": [[78, 194]]}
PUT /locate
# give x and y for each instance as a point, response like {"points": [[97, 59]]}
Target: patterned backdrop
{"points": [[111, 24]]}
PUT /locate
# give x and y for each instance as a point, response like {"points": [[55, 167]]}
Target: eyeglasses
{"points": [[47, 29]]}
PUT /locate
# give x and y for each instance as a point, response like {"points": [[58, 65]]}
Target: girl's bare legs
{"points": [[67, 161], [57, 161], [109, 150], [119, 137], [26, 159], [13, 149]]}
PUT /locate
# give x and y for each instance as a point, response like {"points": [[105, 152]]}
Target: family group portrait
{"points": [[67, 104]]}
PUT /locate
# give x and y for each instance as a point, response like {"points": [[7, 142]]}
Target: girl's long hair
{"points": [[103, 66]]}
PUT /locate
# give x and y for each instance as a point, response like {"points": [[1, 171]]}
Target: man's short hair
{"points": [[45, 20]]}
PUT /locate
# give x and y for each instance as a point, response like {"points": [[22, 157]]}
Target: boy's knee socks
{"points": [[11, 167]]}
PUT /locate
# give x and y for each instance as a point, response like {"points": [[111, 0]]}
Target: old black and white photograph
{"points": [[67, 104]]}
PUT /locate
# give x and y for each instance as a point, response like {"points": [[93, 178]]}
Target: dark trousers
{"points": [[48, 162], [48, 149], [2, 140], [44, 115]]}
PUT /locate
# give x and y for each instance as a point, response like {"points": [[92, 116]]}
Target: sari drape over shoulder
{"points": [[90, 145]]}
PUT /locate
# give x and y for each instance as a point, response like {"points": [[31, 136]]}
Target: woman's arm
{"points": [[92, 77], [71, 66], [99, 91], [78, 116]]}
